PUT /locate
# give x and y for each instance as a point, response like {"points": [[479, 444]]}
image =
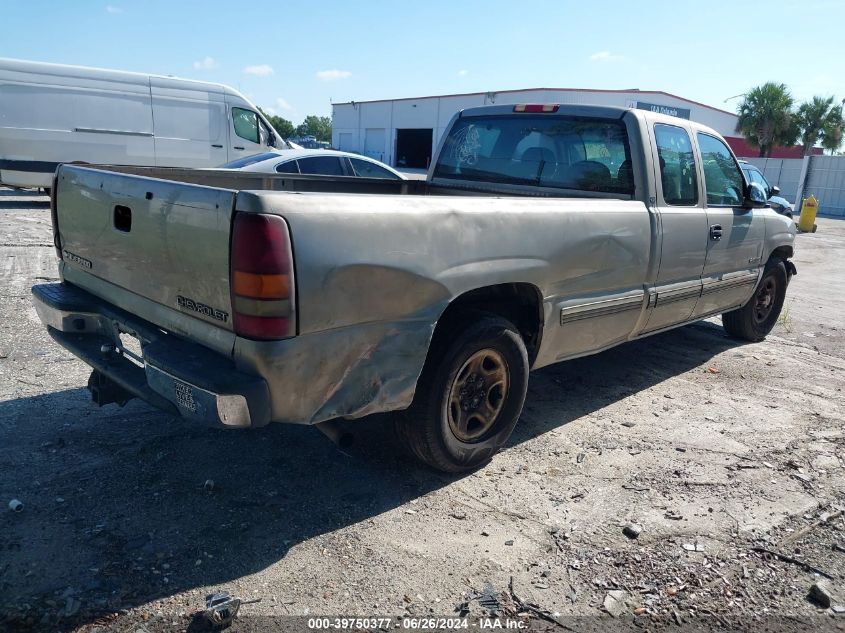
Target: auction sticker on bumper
{"points": [[185, 396]]}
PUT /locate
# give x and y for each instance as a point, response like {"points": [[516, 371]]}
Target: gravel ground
{"points": [[717, 450]]}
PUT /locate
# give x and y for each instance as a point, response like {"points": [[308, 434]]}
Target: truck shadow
{"points": [[126, 506]]}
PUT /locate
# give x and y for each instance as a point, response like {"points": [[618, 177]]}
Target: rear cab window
{"points": [[723, 179], [675, 154], [561, 152]]}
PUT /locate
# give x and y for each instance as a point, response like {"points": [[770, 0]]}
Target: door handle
{"points": [[715, 231], [217, 146], [238, 147]]}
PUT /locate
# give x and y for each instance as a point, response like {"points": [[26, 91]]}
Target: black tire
{"points": [[755, 319], [469, 397]]}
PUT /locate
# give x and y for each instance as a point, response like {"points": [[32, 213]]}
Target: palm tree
{"points": [[812, 118], [766, 118], [832, 131]]}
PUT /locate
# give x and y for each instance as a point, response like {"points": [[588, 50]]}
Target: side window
{"points": [[321, 165], [289, 167], [246, 124], [677, 165], [722, 178], [758, 177], [366, 169]]}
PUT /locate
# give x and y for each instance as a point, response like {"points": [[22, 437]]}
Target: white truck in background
{"points": [[52, 113]]}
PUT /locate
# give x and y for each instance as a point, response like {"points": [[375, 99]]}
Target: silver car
{"points": [[321, 162]]}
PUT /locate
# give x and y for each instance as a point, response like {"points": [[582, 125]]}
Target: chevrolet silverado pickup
{"points": [[542, 233]]}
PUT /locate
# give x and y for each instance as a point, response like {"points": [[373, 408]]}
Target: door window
{"points": [[756, 175], [287, 168], [366, 169], [722, 176], [246, 124], [321, 165], [677, 165]]}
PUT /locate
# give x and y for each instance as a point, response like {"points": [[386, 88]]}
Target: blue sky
{"points": [[293, 58]]}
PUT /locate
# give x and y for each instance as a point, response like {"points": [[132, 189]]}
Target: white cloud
{"points": [[282, 104], [112, 9], [206, 63], [605, 56], [333, 75], [463, 73], [262, 70]]}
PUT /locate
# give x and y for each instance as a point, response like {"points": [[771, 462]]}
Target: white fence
{"points": [[826, 180], [798, 178], [783, 172]]}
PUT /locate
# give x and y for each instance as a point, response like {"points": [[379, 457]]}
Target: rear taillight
{"points": [[536, 107], [54, 214], [262, 277]]}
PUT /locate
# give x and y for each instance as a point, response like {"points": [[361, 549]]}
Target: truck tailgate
{"points": [[162, 241]]}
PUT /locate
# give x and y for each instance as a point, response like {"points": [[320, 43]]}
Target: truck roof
{"points": [[614, 112]]}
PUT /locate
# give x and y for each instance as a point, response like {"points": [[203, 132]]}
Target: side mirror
{"points": [[271, 141], [775, 190], [755, 196]]}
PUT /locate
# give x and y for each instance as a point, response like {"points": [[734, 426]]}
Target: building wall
{"points": [[351, 121]]}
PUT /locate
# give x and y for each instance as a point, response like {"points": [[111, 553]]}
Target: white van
{"points": [[51, 114]]}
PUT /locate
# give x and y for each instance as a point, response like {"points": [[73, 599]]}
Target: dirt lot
{"points": [[713, 447]]}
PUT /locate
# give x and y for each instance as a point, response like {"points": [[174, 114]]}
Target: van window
{"points": [[677, 165], [246, 124], [722, 177], [563, 152]]}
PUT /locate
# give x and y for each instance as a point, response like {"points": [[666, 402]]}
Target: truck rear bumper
{"points": [[170, 373]]}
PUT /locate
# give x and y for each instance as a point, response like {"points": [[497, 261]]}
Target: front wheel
{"points": [[755, 319], [469, 397]]}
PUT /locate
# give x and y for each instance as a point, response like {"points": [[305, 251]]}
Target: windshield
{"points": [[564, 152], [249, 160]]}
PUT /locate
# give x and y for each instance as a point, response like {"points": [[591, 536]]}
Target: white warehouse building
{"points": [[405, 132]]}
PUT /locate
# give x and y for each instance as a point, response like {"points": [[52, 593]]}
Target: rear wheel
{"points": [[755, 319], [469, 397]]}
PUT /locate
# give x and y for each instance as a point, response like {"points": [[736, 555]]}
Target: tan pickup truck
{"points": [[542, 233]]}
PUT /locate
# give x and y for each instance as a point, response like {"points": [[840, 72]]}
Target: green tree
{"points": [[766, 118], [832, 131], [318, 126], [814, 118], [280, 124]]}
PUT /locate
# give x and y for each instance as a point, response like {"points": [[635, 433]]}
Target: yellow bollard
{"points": [[807, 220]]}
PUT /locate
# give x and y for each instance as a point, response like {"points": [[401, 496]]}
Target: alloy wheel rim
{"points": [[477, 395]]}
